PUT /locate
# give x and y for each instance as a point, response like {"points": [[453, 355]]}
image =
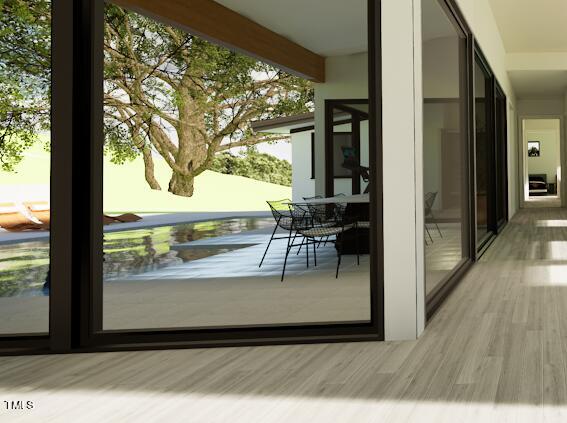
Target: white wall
{"points": [[301, 182], [403, 199], [551, 106], [346, 78]]}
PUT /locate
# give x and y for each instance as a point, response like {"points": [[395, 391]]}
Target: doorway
{"points": [[542, 161]]}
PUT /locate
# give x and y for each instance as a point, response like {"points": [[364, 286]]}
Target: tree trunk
{"points": [[149, 170], [192, 146], [181, 184]]}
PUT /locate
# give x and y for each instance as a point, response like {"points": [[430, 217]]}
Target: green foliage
{"points": [[158, 77], [17, 131], [165, 92], [255, 165], [25, 74], [119, 146]]}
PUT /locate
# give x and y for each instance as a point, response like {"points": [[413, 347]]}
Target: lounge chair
{"points": [[40, 210], [107, 220], [14, 220], [123, 218], [127, 218]]}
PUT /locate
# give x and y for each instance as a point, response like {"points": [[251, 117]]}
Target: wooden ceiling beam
{"points": [[221, 25]]}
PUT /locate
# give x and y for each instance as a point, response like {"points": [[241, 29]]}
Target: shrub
{"points": [[254, 165]]}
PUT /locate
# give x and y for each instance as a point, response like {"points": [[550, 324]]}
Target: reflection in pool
{"points": [[23, 266]]}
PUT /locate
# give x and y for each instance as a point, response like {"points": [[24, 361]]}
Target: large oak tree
{"points": [[166, 92]]}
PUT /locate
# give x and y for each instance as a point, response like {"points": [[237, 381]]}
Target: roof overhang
{"points": [[286, 125], [221, 25]]}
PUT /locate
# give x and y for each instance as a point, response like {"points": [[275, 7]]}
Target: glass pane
{"points": [[501, 158], [210, 156], [25, 50], [483, 154], [444, 144]]}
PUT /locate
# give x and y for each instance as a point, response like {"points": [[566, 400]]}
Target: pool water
{"points": [[24, 266]]}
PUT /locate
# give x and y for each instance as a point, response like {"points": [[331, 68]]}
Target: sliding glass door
{"points": [[216, 217], [445, 145], [484, 156], [464, 149], [491, 167], [25, 168]]}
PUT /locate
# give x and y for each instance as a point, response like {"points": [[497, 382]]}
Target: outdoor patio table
{"points": [[357, 208], [347, 199]]}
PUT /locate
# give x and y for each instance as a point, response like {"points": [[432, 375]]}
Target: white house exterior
{"points": [[302, 137]]}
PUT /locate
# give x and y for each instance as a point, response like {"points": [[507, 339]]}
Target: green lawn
{"points": [[125, 189]]}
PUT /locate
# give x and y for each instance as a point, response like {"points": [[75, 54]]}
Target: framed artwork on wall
{"points": [[533, 149]]}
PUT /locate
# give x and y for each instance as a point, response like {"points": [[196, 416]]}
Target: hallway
{"points": [[495, 351]]}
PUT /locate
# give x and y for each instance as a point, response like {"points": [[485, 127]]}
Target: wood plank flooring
{"points": [[495, 352]]}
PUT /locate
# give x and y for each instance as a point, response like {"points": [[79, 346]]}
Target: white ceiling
{"points": [[538, 83], [326, 27], [532, 25], [545, 124]]}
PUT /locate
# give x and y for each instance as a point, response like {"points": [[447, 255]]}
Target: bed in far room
{"points": [[538, 184]]}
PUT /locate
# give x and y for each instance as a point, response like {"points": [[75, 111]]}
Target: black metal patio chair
{"points": [[340, 224], [429, 201], [318, 211], [288, 218]]}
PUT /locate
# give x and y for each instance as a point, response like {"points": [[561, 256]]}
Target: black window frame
{"points": [[483, 243], [501, 154], [312, 146]]}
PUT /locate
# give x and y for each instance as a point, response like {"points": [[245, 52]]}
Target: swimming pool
{"points": [[24, 265]]}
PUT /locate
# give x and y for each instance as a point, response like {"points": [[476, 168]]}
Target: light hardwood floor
{"points": [[495, 352], [442, 253]]}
